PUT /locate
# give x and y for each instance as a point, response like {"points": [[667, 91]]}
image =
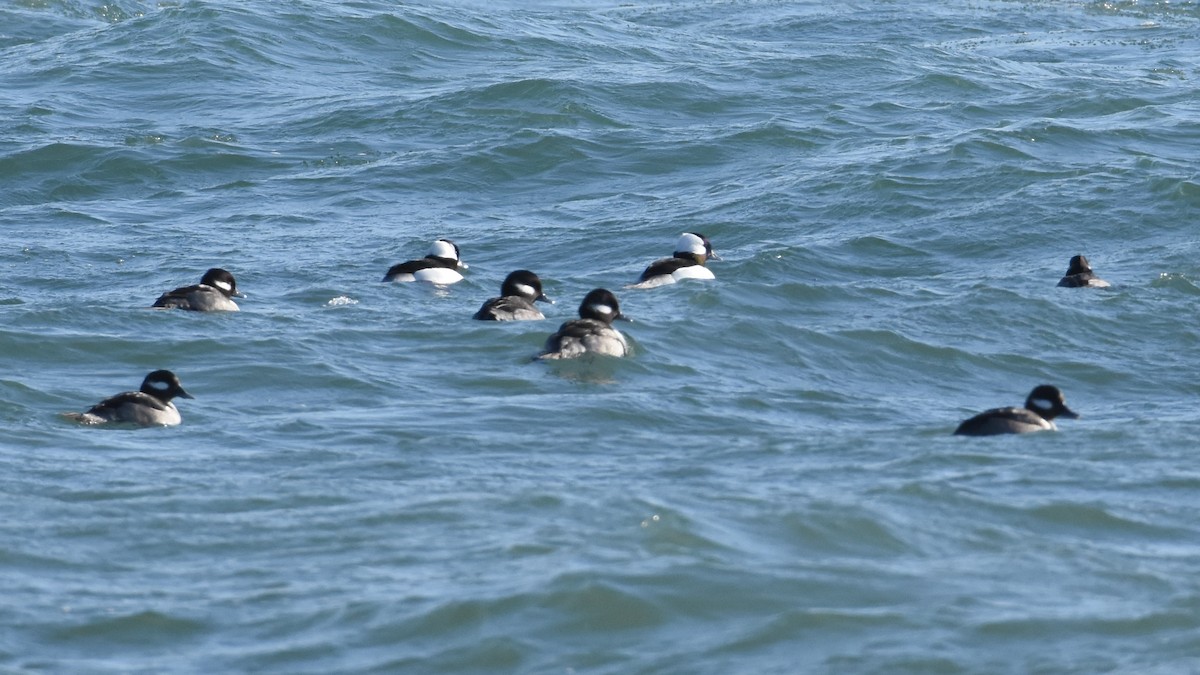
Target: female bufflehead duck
{"points": [[1079, 275], [151, 406], [592, 332], [440, 266], [214, 293], [517, 294], [1045, 403], [691, 252]]}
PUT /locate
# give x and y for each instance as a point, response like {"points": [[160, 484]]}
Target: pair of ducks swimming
{"points": [[442, 264], [592, 333], [153, 405], [1046, 402]]}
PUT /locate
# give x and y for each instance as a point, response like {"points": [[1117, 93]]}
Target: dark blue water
{"points": [[369, 481]]}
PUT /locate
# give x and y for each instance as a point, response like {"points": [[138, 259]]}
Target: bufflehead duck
{"points": [[214, 293], [517, 294], [691, 252], [440, 266], [1079, 275], [1044, 403], [592, 332], [151, 406]]}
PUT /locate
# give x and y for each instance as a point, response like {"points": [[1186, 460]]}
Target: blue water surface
{"points": [[368, 481]]}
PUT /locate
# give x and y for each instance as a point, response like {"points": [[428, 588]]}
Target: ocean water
{"points": [[369, 482]]}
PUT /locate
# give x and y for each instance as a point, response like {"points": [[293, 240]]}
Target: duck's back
{"points": [[508, 308], [132, 407], [585, 336], [1004, 421], [198, 298]]}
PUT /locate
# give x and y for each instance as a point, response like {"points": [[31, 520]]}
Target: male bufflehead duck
{"points": [[439, 267], [517, 294], [214, 293], [151, 406], [1044, 403], [691, 252], [592, 332], [1079, 275]]}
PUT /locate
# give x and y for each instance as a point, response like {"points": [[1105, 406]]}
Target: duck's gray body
{"points": [[509, 308], [585, 336]]}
